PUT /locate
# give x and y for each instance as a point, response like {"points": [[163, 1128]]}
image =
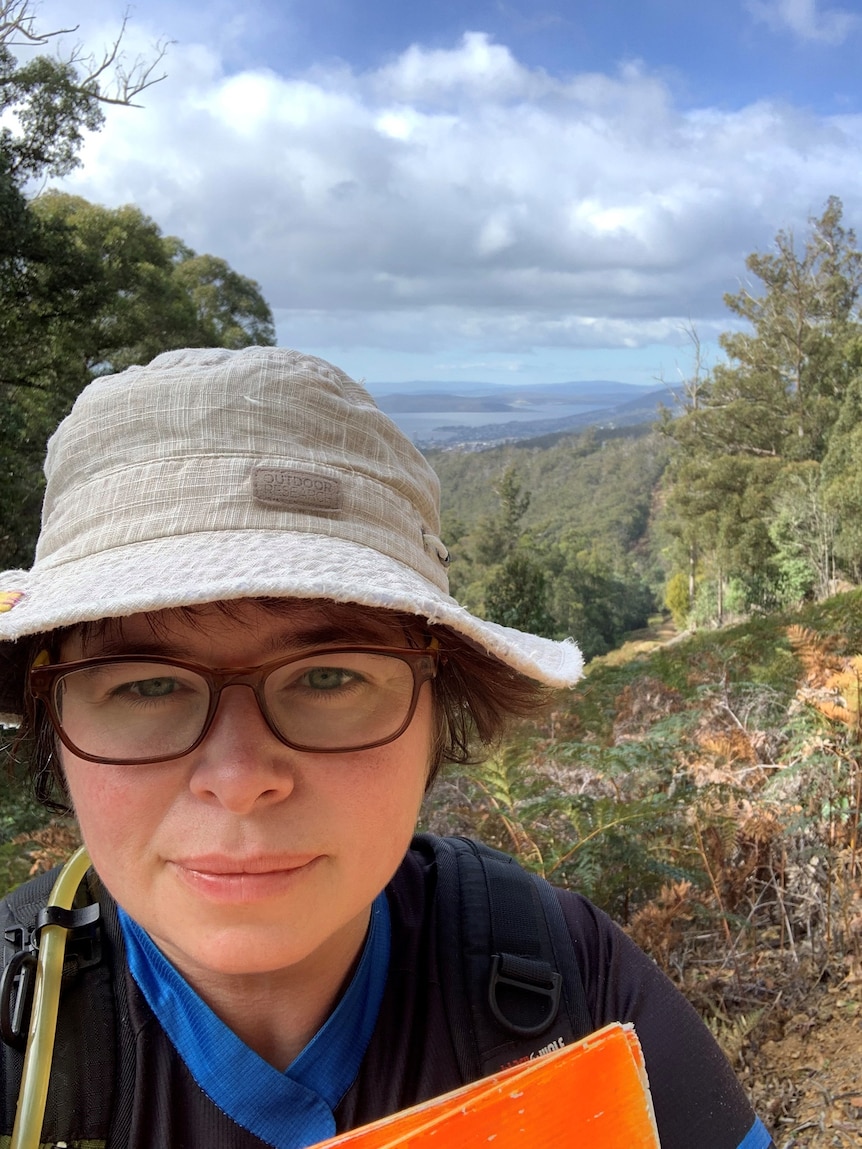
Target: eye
{"points": [[327, 678], [149, 687]]}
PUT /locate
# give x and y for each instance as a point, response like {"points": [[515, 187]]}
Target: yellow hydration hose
{"points": [[43, 1019]]}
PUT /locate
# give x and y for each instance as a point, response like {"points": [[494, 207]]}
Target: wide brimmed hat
{"points": [[212, 475]]}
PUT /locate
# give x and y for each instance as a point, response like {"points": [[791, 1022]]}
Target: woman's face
{"points": [[246, 856]]}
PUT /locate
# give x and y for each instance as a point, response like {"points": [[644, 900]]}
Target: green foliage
{"points": [[543, 537], [229, 310], [83, 289], [802, 531], [796, 356], [709, 795], [150, 293], [52, 109], [745, 497], [593, 597], [497, 533], [677, 600], [92, 289], [842, 475], [516, 594], [623, 825], [19, 815], [593, 842], [51, 101], [591, 488]]}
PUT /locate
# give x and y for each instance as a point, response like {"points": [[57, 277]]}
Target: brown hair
{"points": [[476, 697]]}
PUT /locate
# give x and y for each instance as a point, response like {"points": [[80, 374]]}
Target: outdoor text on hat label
{"points": [[296, 490]]}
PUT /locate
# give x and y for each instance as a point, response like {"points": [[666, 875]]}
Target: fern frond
{"points": [[814, 652]]}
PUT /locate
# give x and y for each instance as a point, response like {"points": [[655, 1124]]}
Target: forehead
{"points": [[268, 626]]}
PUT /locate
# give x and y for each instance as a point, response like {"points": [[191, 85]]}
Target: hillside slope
{"points": [[597, 486], [709, 796]]}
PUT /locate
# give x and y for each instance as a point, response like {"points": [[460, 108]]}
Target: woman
{"points": [[238, 663]]}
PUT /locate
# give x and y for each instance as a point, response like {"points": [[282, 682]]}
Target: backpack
{"points": [[515, 993], [517, 990]]}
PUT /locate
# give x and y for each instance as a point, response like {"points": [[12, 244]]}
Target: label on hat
{"points": [[295, 490]]}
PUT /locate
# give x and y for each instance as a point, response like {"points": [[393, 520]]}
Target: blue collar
{"points": [[287, 1110]]}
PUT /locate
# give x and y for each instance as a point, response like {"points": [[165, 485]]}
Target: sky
{"points": [[502, 190]]}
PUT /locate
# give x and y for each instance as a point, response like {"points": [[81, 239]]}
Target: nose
{"points": [[240, 764]]}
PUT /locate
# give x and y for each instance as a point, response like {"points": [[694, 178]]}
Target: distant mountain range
{"points": [[401, 404], [433, 413], [582, 391]]}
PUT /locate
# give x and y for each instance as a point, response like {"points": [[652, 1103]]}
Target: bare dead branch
{"points": [[108, 78], [128, 82], [17, 20]]}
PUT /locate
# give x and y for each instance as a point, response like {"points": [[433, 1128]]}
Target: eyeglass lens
{"points": [[143, 710]]}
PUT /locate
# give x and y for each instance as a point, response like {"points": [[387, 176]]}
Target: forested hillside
{"points": [[597, 483], [554, 536]]}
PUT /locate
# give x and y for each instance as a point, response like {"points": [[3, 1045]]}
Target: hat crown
{"points": [[257, 439], [259, 400]]}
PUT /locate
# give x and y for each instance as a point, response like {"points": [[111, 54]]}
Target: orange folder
{"points": [[594, 1093]]}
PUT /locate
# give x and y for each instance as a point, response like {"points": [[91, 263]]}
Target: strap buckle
{"points": [[83, 949], [524, 994], [16, 998]]}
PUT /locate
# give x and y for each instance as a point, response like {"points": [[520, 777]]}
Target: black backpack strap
{"points": [[17, 910], [509, 973], [83, 1074], [566, 959]]}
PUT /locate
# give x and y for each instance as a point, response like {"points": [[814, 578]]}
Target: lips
{"points": [[254, 864], [221, 878]]}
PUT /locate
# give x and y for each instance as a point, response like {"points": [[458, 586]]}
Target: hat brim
{"points": [[226, 565]]}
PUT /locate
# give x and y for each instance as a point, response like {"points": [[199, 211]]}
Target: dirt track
{"points": [[807, 1085]]}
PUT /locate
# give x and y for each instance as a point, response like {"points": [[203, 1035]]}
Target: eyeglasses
{"points": [[130, 708]]}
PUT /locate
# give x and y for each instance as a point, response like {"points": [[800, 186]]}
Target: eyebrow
{"points": [[325, 633], [333, 634]]}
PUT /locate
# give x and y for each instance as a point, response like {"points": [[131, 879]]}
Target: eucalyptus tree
{"points": [[114, 292], [83, 288], [767, 410]]}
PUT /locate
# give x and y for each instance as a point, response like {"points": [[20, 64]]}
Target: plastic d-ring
{"points": [[537, 987]]}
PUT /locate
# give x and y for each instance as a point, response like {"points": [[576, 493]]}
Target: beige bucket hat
{"points": [[212, 475]]}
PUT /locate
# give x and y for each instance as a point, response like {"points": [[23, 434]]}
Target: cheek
{"points": [[386, 792], [112, 808], [385, 787], [84, 789]]}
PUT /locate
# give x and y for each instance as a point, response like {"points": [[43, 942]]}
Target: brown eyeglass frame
{"points": [[43, 679]]}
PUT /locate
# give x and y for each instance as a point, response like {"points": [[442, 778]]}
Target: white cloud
{"points": [[477, 68], [457, 197], [805, 20]]}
